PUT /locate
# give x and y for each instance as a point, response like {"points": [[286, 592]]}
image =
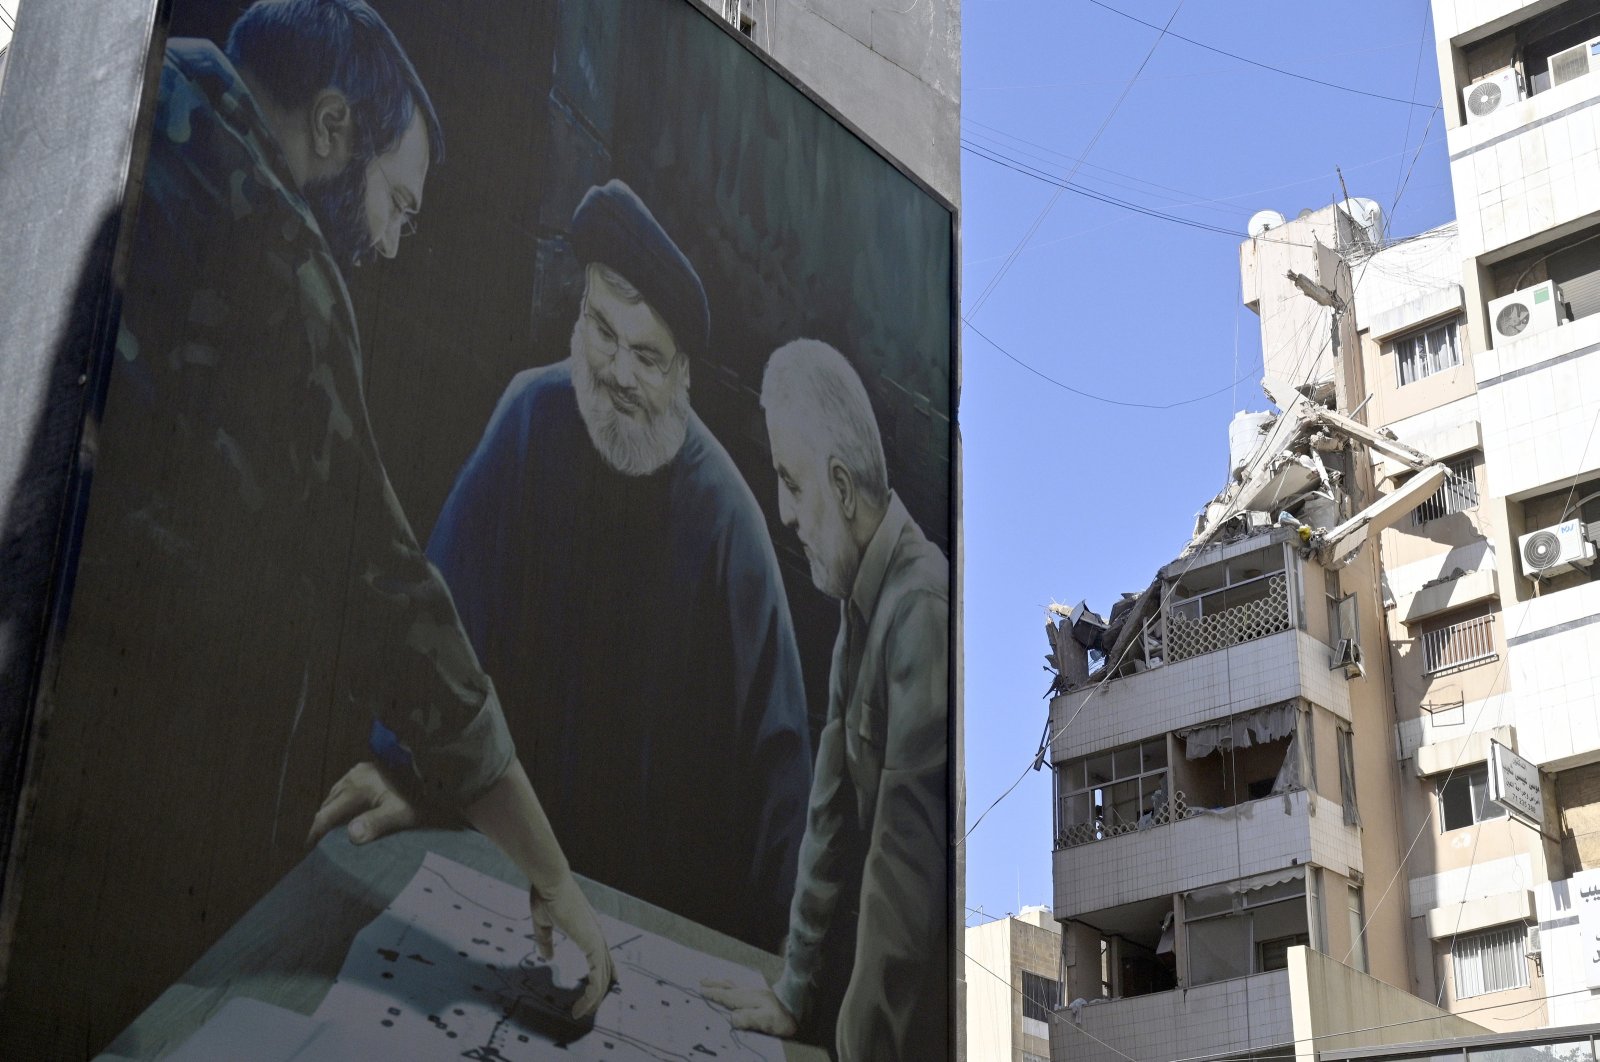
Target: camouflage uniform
{"points": [[238, 387]]}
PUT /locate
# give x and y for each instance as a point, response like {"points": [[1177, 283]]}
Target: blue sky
{"points": [[1068, 498]]}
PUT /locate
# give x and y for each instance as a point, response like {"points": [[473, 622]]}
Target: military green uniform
{"points": [[249, 593], [238, 344], [870, 912]]}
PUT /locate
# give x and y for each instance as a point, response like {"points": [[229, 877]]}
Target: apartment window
{"points": [[1464, 799], [734, 11], [1358, 927], [1492, 961], [1234, 934], [1316, 918], [1274, 954], [1458, 492], [1347, 776], [1432, 350], [1112, 793], [1040, 996]]}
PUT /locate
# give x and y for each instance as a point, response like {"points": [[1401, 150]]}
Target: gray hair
{"points": [[810, 380]]}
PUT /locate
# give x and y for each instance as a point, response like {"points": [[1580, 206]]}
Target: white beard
{"points": [[632, 447]]}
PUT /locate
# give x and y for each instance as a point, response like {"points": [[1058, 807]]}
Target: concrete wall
{"points": [[892, 68], [1337, 1007], [991, 998]]}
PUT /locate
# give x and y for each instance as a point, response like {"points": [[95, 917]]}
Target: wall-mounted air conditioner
{"points": [[1493, 93], [1522, 313], [1575, 62], [1553, 550]]}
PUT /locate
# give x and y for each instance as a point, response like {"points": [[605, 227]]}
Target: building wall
{"points": [[891, 68], [998, 953], [991, 997]]}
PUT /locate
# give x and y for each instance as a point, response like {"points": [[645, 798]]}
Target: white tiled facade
{"points": [[1253, 838], [1230, 1016], [1203, 688]]}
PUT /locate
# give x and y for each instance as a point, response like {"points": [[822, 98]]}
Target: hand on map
{"points": [[756, 1009], [564, 906], [365, 799]]}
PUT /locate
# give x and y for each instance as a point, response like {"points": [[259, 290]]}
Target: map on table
{"points": [[449, 970]]}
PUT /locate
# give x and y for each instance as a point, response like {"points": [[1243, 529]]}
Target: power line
{"points": [[1066, 184], [1005, 267], [1102, 398], [1263, 66]]}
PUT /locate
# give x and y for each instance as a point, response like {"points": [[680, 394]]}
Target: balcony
{"points": [[1280, 667], [1229, 1017], [1203, 847], [1458, 645]]}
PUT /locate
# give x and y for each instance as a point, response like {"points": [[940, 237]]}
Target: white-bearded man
{"points": [[615, 575]]}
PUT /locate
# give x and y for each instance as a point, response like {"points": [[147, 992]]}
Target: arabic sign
{"points": [[1514, 784]]}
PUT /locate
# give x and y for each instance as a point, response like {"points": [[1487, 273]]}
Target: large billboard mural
{"points": [[512, 615]]}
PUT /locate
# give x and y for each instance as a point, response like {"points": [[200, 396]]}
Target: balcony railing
{"points": [[1243, 623], [1468, 642], [1176, 808]]}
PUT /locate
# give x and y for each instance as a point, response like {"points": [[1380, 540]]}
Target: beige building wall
{"points": [[998, 954]]}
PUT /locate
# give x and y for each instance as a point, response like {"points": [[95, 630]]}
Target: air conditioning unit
{"points": [[1575, 62], [1554, 550], [1535, 946], [1522, 313], [1492, 94]]}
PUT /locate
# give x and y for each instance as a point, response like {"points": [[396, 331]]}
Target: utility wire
{"points": [[1258, 63], [1005, 267], [1065, 184], [1103, 398]]}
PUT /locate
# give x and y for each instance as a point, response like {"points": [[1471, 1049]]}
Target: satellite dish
{"points": [[1262, 220], [1306, 213]]}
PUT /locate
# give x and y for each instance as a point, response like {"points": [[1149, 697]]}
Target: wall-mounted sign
{"points": [[1514, 784]]}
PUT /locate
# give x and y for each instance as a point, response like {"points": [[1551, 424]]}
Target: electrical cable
{"points": [[1101, 398], [1067, 185], [1011, 259], [1264, 66], [1416, 75]]}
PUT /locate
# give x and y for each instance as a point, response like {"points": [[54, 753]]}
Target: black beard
{"points": [[339, 204]]}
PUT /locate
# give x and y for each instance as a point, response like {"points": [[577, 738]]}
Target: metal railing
{"points": [[1176, 808], [1468, 642], [1458, 493]]}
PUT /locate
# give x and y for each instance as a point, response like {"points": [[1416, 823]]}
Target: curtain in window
{"points": [[1272, 723]]}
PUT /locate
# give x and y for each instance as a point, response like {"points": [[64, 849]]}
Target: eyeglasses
{"points": [[399, 211], [653, 364]]}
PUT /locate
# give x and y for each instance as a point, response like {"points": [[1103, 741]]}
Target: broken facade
{"points": [[1295, 728]]}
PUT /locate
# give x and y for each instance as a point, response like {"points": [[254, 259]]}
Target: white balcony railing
{"points": [[1468, 642], [1175, 809], [1265, 616]]}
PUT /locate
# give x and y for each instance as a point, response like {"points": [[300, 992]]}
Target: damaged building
{"points": [[1222, 752], [1330, 778]]}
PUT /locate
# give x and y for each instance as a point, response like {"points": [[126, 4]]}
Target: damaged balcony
{"points": [[1215, 802], [1258, 836]]}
